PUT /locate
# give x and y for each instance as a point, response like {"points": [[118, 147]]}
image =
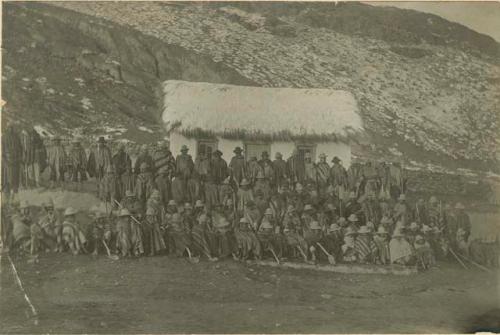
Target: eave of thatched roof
{"points": [[257, 113]]}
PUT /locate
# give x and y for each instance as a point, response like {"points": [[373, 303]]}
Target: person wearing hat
{"points": [[78, 163], [123, 232], [262, 185], [270, 237], [365, 246], [349, 254], [296, 167], [163, 183], [227, 191], [423, 252], [121, 161], [253, 169], [333, 240], [131, 203], [308, 214], [110, 187], [144, 184], [154, 202], [352, 206], [12, 159], [56, 161], [99, 160], [72, 235], [371, 208], [421, 212], [381, 240], [400, 250], [179, 234], [50, 226], [401, 211], [217, 173], [201, 235], [184, 167], [280, 170], [163, 160], [338, 179], [267, 168], [412, 231], [127, 180], [101, 232], [144, 157], [153, 237], [322, 175], [354, 222], [238, 166], [435, 213]]}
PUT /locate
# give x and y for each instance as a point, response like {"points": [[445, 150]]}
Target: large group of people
{"points": [[248, 208]]}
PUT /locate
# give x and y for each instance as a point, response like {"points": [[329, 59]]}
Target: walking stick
{"points": [[110, 256], [484, 268], [458, 259], [331, 259]]}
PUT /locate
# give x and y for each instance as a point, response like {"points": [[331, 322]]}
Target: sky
{"points": [[481, 16]]}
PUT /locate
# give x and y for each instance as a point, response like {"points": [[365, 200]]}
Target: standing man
{"points": [[296, 168], [217, 173], [339, 180], [121, 161], [163, 160], [280, 170], [322, 174], [99, 160], [267, 168], [78, 160], [144, 157], [11, 161], [34, 157], [184, 167], [238, 166], [57, 162]]}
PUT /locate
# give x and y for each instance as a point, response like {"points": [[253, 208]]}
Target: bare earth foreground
{"points": [[163, 294]]}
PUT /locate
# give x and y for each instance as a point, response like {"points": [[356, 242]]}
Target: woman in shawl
{"points": [[144, 184], [382, 243], [72, 236], [123, 240], [153, 239], [365, 246], [401, 251], [56, 158], [200, 244]]}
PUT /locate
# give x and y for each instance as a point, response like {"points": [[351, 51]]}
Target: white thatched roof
{"points": [[256, 112]]}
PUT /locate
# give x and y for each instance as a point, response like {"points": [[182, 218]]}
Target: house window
{"points": [[304, 149], [206, 147], [256, 150]]}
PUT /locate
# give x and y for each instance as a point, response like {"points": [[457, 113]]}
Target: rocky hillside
{"points": [[426, 87]]}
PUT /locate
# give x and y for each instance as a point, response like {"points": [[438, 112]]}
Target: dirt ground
{"points": [[164, 294]]}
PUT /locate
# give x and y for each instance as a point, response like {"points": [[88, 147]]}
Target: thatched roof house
{"points": [[206, 116]]}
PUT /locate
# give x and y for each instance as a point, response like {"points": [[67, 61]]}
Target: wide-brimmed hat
{"points": [[269, 211], [264, 154], [143, 166], [227, 180], [385, 219], [266, 225], [335, 159], [260, 175], [187, 205], [459, 205], [217, 153], [184, 148], [334, 227], [402, 197], [370, 226], [237, 150], [172, 202], [342, 220], [244, 182], [397, 233], [419, 238], [350, 231], [314, 225], [199, 204], [381, 230], [299, 187], [308, 207], [70, 211], [278, 155], [352, 195], [150, 211], [413, 225], [352, 218], [49, 203], [426, 229], [322, 155], [124, 212], [100, 215], [364, 230], [129, 193], [101, 139], [202, 218], [244, 220], [155, 194], [290, 209]]}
